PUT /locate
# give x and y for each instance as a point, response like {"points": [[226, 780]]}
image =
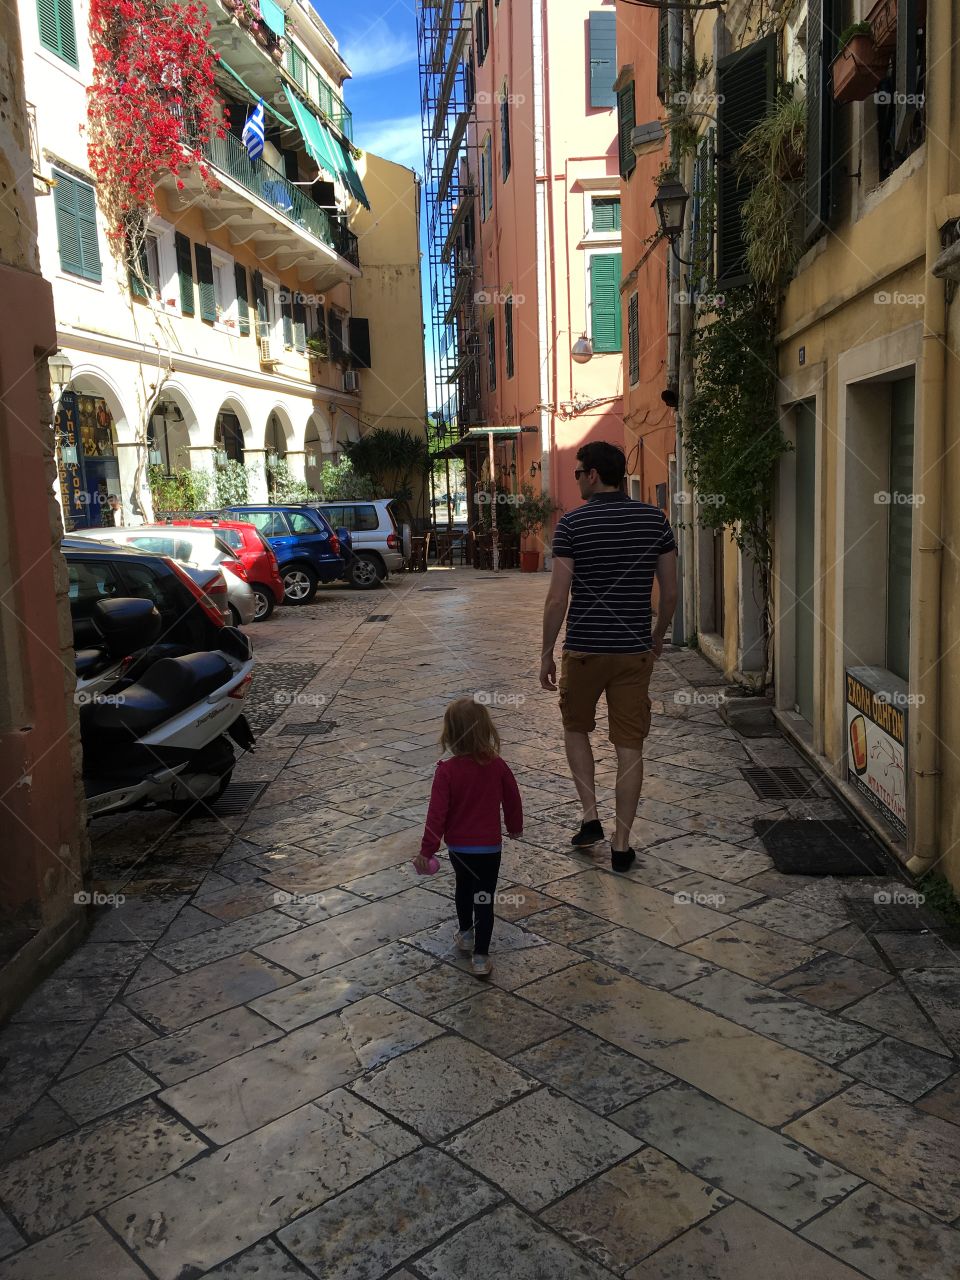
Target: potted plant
{"points": [[859, 66], [317, 346], [883, 23], [534, 510]]}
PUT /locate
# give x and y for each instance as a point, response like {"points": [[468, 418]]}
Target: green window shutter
{"points": [[243, 301], [184, 273], [208, 299], [900, 527], [508, 336], [626, 121], [299, 326], [633, 338], [286, 315], [663, 53], [821, 117], [603, 58], [57, 29], [68, 232], [87, 230], [492, 354], [504, 138], [606, 328], [606, 214], [260, 302], [746, 87]]}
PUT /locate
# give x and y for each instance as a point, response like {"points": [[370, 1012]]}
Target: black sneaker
{"points": [[589, 833], [622, 860]]}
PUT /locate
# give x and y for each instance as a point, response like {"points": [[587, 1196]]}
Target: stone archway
{"points": [[318, 447], [97, 453]]}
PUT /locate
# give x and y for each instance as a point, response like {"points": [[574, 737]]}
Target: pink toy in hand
{"points": [[433, 866]]}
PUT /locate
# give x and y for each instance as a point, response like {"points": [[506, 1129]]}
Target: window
{"points": [[365, 518], [208, 297], [633, 339], [663, 53], [702, 212], [152, 274], [606, 329], [334, 335], [626, 122], [224, 289], [270, 523], [605, 212], [504, 134], [57, 31], [486, 177], [184, 273], [603, 58], [492, 354], [746, 86], [301, 523], [900, 527], [335, 516], [75, 206], [482, 30], [508, 335], [817, 49]]}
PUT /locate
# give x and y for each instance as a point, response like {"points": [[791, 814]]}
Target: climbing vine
{"points": [[151, 108]]}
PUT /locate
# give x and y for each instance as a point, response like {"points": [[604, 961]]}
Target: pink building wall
{"points": [[580, 158]]}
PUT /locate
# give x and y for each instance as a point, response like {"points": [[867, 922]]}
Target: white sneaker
{"points": [[481, 965], [464, 941]]}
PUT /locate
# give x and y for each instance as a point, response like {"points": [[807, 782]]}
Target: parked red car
{"points": [[255, 554]]}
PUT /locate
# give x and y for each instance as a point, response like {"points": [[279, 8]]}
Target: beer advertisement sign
{"points": [[877, 741]]}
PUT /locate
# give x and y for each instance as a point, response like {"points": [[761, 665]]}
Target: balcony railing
{"points": [[316, 88], [229, 155]]}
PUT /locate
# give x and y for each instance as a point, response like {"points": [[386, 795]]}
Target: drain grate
{"points": [[378, 617], [438, 588], [238, 798], [315, 726], [892, 917], [781, 782], [820, 847]]}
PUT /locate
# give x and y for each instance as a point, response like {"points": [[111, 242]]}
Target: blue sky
{"points": [[378, 40]]}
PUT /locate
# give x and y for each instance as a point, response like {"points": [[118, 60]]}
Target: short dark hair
{"points": [[608, 460]]}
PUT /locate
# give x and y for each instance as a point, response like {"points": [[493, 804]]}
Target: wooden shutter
{"points": [[508, 336], [663, 53], [87, 231], [243, 303], [208, 297], [138, 281], [184, 272], [504, 137], [821, 47], [334, 336], [57, 29], [299, 325], [907, 80], [633, 338], [286, 316], [68, 234], [260, 302], [626, 120], [492, 354], [746, 86], [606, 327], [360, 342], [603, 58], [606, 213], [900, 527]]}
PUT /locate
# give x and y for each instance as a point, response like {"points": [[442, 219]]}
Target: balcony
{"points": [[257, 204]]}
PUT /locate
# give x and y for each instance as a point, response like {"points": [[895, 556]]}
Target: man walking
{"points": [[605, 557]]}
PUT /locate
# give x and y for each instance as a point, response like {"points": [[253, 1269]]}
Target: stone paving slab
{"points": [[85, 1251]]}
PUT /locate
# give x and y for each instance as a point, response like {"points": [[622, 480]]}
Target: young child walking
{"points": [[469, 790]]}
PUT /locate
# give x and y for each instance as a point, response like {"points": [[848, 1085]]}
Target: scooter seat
{"points": [[87, 660], [168, 687]]}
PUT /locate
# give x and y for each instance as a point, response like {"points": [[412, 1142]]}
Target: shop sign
{"points": [[876, 715], [69, 459]]}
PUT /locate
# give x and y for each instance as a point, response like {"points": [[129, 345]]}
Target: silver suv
{"points": [[381, 545]]}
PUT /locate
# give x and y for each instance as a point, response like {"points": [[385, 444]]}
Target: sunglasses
{"points": [[581, 471]]}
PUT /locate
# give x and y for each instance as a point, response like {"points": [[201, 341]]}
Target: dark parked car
{"points": [[307, 549]]}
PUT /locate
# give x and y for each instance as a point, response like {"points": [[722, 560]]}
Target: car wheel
{"points": [[366, 572], [264, 602], [300, 584]]}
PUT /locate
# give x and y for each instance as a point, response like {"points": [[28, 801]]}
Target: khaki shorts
{"points": [[623, 677]]}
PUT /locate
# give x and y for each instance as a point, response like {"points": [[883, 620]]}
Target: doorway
{"points": [[805, 471]]}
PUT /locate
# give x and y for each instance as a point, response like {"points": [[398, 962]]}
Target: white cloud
{"points": [[377, 50], [399, 140]]}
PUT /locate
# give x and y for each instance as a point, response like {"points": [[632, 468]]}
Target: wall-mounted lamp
{"points": [[272, 459], [311, 459], [61, 368], [220, 457], [670, 203], [154, 457], [68, 455]]}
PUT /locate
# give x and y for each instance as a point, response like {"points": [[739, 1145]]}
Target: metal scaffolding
{"points": [[451, 172]]}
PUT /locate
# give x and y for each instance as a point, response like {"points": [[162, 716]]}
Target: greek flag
{"points": [[253, 132]]}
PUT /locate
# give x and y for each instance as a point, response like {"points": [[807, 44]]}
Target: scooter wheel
{"points": [[201, 808]]}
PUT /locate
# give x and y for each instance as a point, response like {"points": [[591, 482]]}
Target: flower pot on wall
{"points": [[883, 19], [858, 69]]}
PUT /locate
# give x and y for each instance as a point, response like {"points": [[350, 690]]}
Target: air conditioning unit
{"points": [[351, 380], [266, 357]]}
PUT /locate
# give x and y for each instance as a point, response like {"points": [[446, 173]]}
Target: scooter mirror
{"points": [[126, 624]]}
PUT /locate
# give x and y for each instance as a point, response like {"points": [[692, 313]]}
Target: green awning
{"points": [[222, 62], [349, 172], [317, 140], [272, 15]]}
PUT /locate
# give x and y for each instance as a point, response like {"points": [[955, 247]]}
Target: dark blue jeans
{"points": [[477, 875]]}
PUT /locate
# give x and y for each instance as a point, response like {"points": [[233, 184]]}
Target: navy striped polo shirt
{"points": [[614, 543]]}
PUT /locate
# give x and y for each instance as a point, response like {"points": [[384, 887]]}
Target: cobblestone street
{"points": [[271, 1062]]}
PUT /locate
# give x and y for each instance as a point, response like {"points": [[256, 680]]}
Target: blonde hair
{"points": [[468, 730]]}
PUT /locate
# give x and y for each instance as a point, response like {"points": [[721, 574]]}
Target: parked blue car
{"points": [[308, 550]]}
